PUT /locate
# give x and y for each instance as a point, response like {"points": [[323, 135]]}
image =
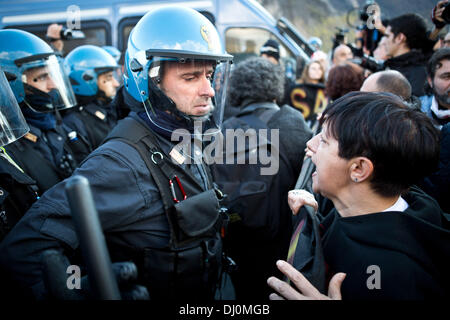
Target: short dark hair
{"points": [[255, 80], [402, 143], [435, 61], [394, 82], [413, 26]]}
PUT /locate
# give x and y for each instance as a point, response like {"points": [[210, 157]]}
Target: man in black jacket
{"points": [[260, 226], [406, 37], [17, 190]]}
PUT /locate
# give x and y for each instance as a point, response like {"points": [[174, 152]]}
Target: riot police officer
{"points": [[156, 201], [91, 71], [51, 150], [17, 190], [116, 54]]}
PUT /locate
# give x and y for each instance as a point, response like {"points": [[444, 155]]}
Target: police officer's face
{"points": [[40, 79], [108, 84], [188, 85]]}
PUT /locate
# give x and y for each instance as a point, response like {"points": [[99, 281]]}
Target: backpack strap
{"points": [[169, 176], [163, 170], [132, 132], [263, 116], [260, 120], [168, 168]]}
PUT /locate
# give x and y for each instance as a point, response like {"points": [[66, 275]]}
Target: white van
{"points": [[244, 25]]}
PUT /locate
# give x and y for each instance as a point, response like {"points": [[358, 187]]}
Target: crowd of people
{"points": [[369, 121]]}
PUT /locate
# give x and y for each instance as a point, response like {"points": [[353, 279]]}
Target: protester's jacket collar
{"points": [[413, 58]]}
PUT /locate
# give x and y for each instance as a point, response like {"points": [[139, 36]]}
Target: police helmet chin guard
{"points": [[12, 123], [33, 63], [175, 64]]}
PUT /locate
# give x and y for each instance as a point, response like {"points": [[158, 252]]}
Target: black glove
{"points": [[55, 264]]}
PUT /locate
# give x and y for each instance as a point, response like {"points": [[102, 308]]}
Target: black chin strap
{"points": [[102, 98]]}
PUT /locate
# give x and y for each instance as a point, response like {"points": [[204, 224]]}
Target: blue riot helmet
{"points": [[177, 43], [39, 79], [114, 52], [315, 42], [84, 64], [12, 123]]}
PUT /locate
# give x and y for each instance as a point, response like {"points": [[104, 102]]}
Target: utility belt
{"points": [[189, 267]]}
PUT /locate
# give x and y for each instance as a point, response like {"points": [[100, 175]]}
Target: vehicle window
{"points": [[96, 33], [244, 43], [124, 29], [126, 33], [94, 36]]}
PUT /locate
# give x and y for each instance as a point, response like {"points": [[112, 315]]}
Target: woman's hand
{"points": [[299, 198], [305, 290]]}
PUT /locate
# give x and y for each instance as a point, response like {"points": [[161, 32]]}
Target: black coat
{"points": [[413, 66], [260, 227], [410, 248], [17, 193], [93, 121], [48, 156]]}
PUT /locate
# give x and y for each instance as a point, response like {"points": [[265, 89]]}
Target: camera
{"points": [[363, 15], [365, 61], [369, 63], [339, 37], [70, 34], [446, 12]]}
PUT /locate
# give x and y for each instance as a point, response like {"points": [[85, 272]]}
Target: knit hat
{"points": [[271, 48]]}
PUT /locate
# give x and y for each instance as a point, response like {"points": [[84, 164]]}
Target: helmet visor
{"points": [[196, 89], [46, 85], [12, 123]]}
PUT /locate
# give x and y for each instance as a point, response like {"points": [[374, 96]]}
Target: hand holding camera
{"points": [[440, 15], [57, 32]]}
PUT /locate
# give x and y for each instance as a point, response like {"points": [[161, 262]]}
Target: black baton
{"points": [[92, 240]]}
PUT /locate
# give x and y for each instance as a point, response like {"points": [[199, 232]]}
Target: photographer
{"points": [[370, 32], [54, 36], [440, 16], [56, 33]]}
